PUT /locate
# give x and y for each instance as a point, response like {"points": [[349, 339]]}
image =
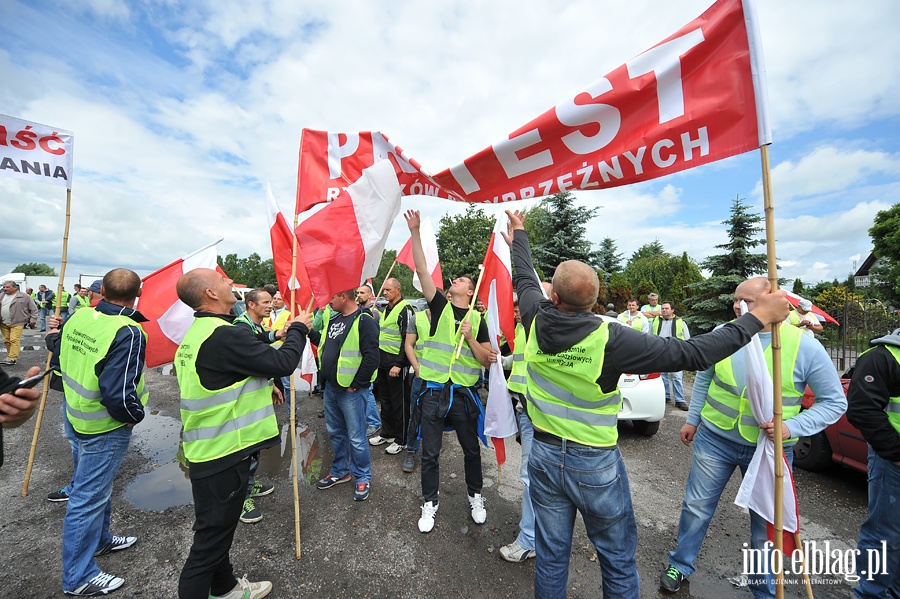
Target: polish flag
{"points": [[343, 242], [282, 252], [496, 293], [308, 366], [429, 245], [168, 317]]}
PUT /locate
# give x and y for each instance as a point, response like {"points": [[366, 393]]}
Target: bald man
{"points": [[226, 408], [573, 363], [722, 428], [392, 369]]}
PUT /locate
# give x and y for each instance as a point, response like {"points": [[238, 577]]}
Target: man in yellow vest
{"points": [[874, 408], [573, 362], [365, 298], [348, 359], [669, 325], [392, 370], [416, 333], [226, 409], [725, 435], [652, 309], [449, 397], [101, 360], [633, 318]]}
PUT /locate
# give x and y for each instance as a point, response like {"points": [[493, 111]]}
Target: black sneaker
{"points": [[362, 492], [682, 405], [100, 584], [8, 362], [58, 496], [670, 580], [116, 544], [250, 513], [260, 489], [331, 480]]}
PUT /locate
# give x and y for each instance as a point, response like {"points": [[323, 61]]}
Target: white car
{"points": [[643, 398]]}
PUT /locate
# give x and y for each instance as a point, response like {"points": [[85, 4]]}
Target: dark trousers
{"points": [[463, 416], [218, 500], [392, 394]]}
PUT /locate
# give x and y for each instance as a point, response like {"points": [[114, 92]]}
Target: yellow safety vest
{"points": [[727, 404], [220, 422], [85, 342], [390, 338], [83, 302], [518, 380], [350, 357], [893, 407], [679, 326], [564, 398], [636, 321], [423, 328], [438, 363]]}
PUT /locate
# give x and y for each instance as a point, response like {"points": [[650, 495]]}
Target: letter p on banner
{"points": [[35, 152]]}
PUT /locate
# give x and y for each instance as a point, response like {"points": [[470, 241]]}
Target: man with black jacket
{"points": [[573, 363], [226, 408], [873, 401]]}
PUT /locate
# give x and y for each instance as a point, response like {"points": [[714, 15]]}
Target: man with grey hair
{"points": [[804, 319], [16, 310], [652, 309]]}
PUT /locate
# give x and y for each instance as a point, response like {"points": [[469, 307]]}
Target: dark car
{"points": [[841, 442]]}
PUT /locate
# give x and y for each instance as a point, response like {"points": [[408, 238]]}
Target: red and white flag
{"points": [[758, 485], [342, 243], [496, 292], [308, 367], [168, 317], [282, 255], [696, 97], [429, 246]]}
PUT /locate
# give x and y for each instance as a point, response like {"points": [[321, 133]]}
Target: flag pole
{"points": [[386, 277], [777, 411], [293, 416], [471, 307], [40, 414]]}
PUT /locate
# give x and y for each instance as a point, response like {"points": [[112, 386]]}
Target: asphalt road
{"points": [[373, 548]]}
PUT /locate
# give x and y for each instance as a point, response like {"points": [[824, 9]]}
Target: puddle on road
{"points": [[167, 485]]}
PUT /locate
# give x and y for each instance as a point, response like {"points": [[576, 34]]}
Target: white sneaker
{"points": [[247, 590], [379, 440], [426, 522], [100, 584], [479, 515], [394, 448], [516, 553]]}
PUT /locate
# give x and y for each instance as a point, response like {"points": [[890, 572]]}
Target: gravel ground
{"points": [[372, 548]]}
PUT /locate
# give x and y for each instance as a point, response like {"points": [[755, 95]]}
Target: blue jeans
{"points": [[593, 482], [345, 420], [86, 525], [70, 437], [43, 314], [526, 524], [715, 458], [881, 525], [372, 417], [413, 435], [676, 378]]}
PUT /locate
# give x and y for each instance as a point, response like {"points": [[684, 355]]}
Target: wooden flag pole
{"points": [[386, 277], [40, 414], [776, 372], [471, 308], [293, 416]]}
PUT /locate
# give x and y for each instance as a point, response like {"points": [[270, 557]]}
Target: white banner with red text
{"points": [[696, 97], [35, 152]]}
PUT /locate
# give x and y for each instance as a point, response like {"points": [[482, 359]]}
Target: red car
{"points": [[841, 442]]}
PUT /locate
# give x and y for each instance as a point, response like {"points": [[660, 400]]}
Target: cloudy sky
{"points": [[182, 110]]}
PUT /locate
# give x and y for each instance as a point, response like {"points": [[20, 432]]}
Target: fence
{"points": [[860, 321]]}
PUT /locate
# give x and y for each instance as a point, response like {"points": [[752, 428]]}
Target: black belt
{"points": [[552, 439]]}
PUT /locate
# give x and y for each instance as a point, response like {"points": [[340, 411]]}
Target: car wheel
{"points": [[647, 429], [813, 453]]}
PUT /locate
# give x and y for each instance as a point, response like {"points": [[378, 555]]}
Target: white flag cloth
{"points": [[499, 417], [757, 490]]}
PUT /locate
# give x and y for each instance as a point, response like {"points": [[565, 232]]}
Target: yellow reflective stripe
{"points": [[211, 432], [98, 415], [733, 389], [721, 407], [390, 330], [441, 346], [518, 378], [588, 418], [566, 396], [434, 366], [387, 343], [79, 388], [222, 397]]}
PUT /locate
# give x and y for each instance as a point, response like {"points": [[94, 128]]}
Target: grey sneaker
{"points": [[260, 489], [58, 496], [409, 464], [516, 553], [670, 580], [116, 544], [100, 584], [247, 590]]}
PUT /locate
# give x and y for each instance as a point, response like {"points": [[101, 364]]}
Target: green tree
{"points": [[619, 290], [885, 234], [401, 272], [798, 287], [251, 271], [462, 242], [652, 269], [35, 269], [560, 233], [648, 250], [608, 259], [711, 300]]}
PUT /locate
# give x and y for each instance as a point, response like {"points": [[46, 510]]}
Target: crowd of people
{"points": [[423, 368]]}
